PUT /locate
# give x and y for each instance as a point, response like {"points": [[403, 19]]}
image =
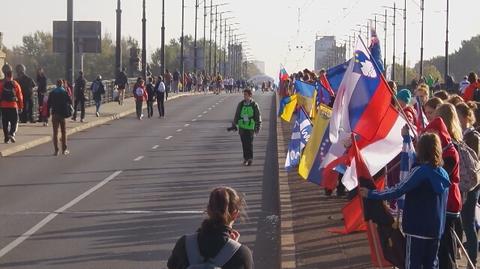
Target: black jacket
{"points": [[80, 85], [27, 84], [210, 243], [151, 92]]}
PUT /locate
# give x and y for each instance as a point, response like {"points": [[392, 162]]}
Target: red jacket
{"points": [[18, 92], [140, 97], [411, 114], [451, 159], [469, 91]]}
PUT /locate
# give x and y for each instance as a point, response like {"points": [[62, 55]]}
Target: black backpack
{"points": [[8, 93]]}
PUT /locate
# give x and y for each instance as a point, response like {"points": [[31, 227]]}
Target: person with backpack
{"points": [[98, 89], [79, 92], [141, 95], [11, 102], [426, 190], [215, 244], [449, 133], [472, 140], [151, 97], [160, 90], [247, 121], [60, 105]]}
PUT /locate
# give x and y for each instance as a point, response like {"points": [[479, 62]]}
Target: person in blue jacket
{"points": [[426, 194]]}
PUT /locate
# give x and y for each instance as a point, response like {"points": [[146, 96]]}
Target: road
{"points": [[131, 188]]}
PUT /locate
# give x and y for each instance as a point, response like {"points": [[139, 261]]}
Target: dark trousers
{"points": [[98, 103], [40, 96], [59, 121], [247, 143], [27, 113], [468, 221], [421, 253], [161, 104], [150, 108], [79, 102], [9, 116], [139, 108], [448, 245]]}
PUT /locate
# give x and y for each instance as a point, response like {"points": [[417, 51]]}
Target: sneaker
{"points": [[141, 117], [249, 162], [55, 153], [74, 119], [6, 140], [66, 152], [82, 120], [45, 124], [12, 138], [97, 114], [245, 163]]}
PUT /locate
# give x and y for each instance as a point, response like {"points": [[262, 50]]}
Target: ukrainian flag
{"points": [[317, 146], [287, 107]]}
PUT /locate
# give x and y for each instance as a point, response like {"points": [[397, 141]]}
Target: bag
{"points": [[196, 261], [8, 93], [68, 111], [139, 92], [469, 167], [95, 87]]}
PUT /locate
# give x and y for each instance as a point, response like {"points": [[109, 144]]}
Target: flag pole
{"points": [[388, 87]]}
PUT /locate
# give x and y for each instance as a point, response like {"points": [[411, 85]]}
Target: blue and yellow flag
{"points": [[287, 107]]}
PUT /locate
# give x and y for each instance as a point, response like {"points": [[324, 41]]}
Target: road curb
{"points": [[287, 236], [45, 139]]}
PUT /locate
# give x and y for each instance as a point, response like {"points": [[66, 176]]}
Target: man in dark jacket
{"points": [[121, 82], [27, 84], [79, 91], [151, 97], [248, 122], [41, 91], [59, 103]]}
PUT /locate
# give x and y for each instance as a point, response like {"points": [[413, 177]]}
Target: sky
{"points": [[278, 32]]}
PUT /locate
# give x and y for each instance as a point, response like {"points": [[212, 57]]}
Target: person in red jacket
{"points": [[404, 98], [141, 95], [11, 102], [451, 159], [469, 93]]}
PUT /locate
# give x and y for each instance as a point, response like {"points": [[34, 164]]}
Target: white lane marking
{"points": [[155, 147], [213, 105], [4, 251], [199, 116], [209, 108], [113, 212], [179, 130], [186, 125], [138, 158], [205, 112], [194, 120], [168, 137]]}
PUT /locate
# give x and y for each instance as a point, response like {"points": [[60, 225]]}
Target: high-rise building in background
{"points": [[260, 65], [328, 53]]}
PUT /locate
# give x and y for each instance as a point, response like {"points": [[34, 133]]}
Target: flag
{"points": [[375, 49], [352, 218], [283, 74], [335, 75], [305, 89], [362, 99], [407, 159], [324, 92], [287, 107], [300, 136], [316, 148], [422, 121]]}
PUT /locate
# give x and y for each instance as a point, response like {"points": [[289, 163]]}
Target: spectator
{"points": [[59, 103], [80, 86], [471, 92], [463, 85], [225, 206], [455, 99], [175, 81], [41, 91], [141, 95], [151, 97], [26, 84], [404, 98], [11, 102], [168, 83], [160, 90], [442, 95], [121, 81], [98, 89], [431, 106], [423, 93]]}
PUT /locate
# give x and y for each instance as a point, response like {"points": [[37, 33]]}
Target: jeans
{"points": [[246, 136], [150, 109], [468, 219], [79, 101], [9, 116], [161, 104], [27, 113], [59, 121], [139, 108], [98, 103]]}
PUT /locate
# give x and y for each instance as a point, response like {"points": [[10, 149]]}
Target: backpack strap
{"points": [[226, 253], [193, 252]]}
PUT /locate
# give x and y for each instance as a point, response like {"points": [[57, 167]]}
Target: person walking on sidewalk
{"points": [[175, 81], [98, 89], [80, 85], [248, 122], [141, 95], [60, 104], [121, 82], [26, 84], [168, 83], [215, 244], [41, 92], [11, 102], [151, 97], [160, 90]]}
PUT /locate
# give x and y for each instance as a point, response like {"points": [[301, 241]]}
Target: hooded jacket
{"points": [[426, 194], [451, 160], [18, 93]]}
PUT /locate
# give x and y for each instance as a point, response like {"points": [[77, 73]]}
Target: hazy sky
{"points": [[273, 28]]}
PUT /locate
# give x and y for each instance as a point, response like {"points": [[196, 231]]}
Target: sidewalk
{"points": [[30, 135]]}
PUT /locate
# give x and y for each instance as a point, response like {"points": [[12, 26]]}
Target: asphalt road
{"points": [[131, 188]]}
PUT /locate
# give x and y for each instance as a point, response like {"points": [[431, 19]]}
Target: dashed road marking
{"points": [[186, 125], [179, 130], [138, 158], [168, 137], [199, 116], [155, 147], [204, 112], [194, 120]]}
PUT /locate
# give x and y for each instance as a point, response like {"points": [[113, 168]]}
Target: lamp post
{"points": [[422, 8], [446, 44], [118, 44], [162, 49], [195, 40], [182, 66], [69, 61], [144, 42]]}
